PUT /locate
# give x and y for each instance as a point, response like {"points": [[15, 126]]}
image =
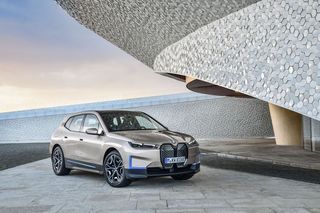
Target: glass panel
{"points": [[311, 134], [315, 126], [128, 121], [91, 121], [69, 123], [307, 134], [76, 123]]}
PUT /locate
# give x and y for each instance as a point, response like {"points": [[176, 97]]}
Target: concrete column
{"points": [[287, 126]]}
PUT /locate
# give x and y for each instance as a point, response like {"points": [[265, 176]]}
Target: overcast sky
{"points": [[48, 59]]}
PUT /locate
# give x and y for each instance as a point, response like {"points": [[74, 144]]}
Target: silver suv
{"points": [[122, 145]]}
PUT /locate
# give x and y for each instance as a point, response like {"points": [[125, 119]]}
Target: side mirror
{"points": [[94, 131]]}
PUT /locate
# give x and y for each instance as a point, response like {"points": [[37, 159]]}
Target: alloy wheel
{"points": [[114, 168], [57, 160]]}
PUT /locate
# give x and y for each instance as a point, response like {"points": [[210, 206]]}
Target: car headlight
{"points": [[143, 145], [193, 143]]}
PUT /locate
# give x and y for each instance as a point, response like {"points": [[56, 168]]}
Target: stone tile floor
{"points": [[263, 150], [34, 188]]}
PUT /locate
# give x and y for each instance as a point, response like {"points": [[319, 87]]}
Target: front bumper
{"points": [[157, 171]]}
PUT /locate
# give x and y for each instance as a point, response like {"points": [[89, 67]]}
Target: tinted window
{"points": [[91, 121], [126, 121], [76, 123], [67, 125]]}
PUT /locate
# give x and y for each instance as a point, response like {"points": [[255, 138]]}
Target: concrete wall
{"points": [[216, 118], [206, 118]]}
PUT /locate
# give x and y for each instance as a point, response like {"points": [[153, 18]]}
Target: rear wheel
{"points": [[182, 176], [114, 171], [58, 162]]}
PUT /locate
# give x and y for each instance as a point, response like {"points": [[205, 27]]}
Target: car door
{"points": [[72, 137], [90, 146]]}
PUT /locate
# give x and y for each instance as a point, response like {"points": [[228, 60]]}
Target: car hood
{"points": [[155, 137]]}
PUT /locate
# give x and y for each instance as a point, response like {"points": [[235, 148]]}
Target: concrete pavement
{"points": [[34, 188], [16, 154], [264, 151]]}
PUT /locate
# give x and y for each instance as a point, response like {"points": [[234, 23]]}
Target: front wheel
{"points": [[58, 163], [182, 176], [114, 171]]}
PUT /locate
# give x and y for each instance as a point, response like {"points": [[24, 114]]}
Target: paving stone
{"points": [[154, 204], [144, 196], [224, 194], [17, 201], [181, 195], [126, 211], [239, 210], [314, 210], [109, 197], [180, 210], [114, 205], [72, 208], [285, 202], [204, 203], [313, 203], [290, 210], [25, 209], [251, 202]]}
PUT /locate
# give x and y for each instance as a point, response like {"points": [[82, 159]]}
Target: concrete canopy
{"points": [[266, 49], [143, 28]]}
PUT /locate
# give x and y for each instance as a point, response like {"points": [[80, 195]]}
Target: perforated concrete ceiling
{"points": [[267, 49], [145, 27]]}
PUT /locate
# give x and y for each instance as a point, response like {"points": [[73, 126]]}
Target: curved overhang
{"points": [[199, 86], [269, 50], [203, 87], [265, 49], [143, 28]]}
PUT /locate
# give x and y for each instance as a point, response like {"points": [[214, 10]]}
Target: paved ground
{"points": [[262, 168], [34, 188], [12, 155], [265, 151]]}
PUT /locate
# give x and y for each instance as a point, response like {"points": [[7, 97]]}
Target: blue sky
{"points": [[46, 58], [44, 23]]}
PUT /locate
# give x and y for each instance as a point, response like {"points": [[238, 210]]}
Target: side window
{"points": [[76, 122], [67, 125], [91, 121]]}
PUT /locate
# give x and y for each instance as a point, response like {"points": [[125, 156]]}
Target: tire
{"points": [[114, 171], [58, 162], [182, 176]]}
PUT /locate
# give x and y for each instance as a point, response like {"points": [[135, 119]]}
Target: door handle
{"points": [[65, 137], [81, 139]]}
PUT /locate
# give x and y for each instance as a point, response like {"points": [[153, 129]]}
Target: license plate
{"points": [[175, 160]]}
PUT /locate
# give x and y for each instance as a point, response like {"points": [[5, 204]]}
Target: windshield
{"points": [[129, 121]]}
